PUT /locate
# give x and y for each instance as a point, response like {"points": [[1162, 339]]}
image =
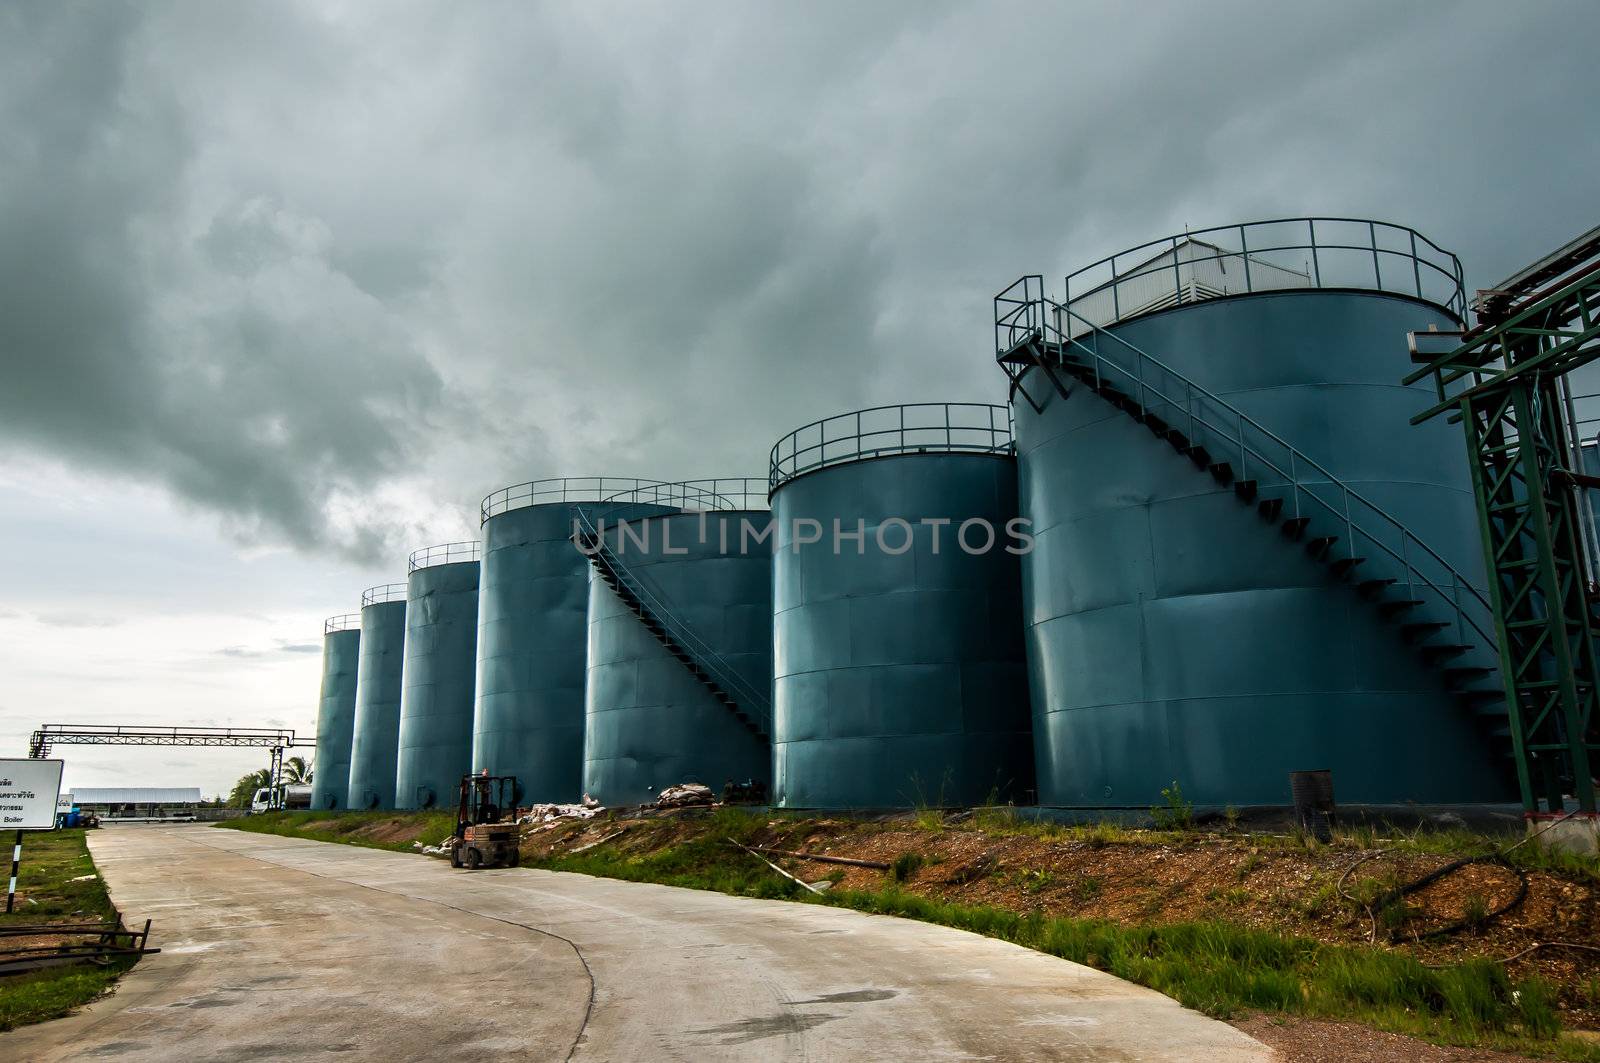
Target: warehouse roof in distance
{"points": [[136, 795]]}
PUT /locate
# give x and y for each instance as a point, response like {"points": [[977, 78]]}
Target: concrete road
{"points": [[276, 948]]}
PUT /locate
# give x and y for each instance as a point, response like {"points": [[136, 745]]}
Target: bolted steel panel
{"points": [[529, 716], [899, 674], [376, 742], [341, 651], [435, 743], [649, 722], [1173, 635]]}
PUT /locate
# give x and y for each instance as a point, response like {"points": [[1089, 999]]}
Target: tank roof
{"points": [[1282, 254]]}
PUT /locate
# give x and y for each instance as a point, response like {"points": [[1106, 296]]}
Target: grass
{"points": [[430, 828], [59, 883]]}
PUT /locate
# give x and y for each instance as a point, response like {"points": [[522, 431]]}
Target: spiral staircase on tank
{"points": [[750, 706], [1431, 607]]}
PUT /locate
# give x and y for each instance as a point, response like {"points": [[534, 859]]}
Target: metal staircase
{"points": [[750, 706], [1445, 619]]}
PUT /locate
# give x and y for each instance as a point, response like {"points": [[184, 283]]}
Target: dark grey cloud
{"points": [[332, 274]]}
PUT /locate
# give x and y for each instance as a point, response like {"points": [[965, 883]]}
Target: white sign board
{"points": [[28, 792]]}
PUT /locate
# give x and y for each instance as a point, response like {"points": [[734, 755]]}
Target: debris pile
{"points": [[685, 795], [552, 813]]}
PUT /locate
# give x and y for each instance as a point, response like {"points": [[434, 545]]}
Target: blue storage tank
{"points": [[341, 652], [898, 660], [435, 746], [533, 606], [375, 744], [1192, 617], [680, 643]]}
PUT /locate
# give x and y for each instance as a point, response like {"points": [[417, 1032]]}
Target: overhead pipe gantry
{"points": [[70, 734]]}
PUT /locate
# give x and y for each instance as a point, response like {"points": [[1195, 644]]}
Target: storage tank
{"points": [[1193, 617], [898, 659], [680, 643], [531, 636], [376, 740], [436, 686], [341, 650]]}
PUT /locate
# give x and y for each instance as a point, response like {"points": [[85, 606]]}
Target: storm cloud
{"points": [[329, 273]]}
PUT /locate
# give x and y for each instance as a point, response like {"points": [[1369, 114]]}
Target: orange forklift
{"points": [[486, 823]]}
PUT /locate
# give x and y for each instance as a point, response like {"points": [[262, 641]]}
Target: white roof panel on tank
{"points": [[137, 795]]}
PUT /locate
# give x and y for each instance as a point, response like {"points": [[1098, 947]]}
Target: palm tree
{"points": [[296, 771], [246, 787]]}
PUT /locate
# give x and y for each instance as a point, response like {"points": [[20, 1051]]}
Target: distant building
{"points": [[138, 802]]}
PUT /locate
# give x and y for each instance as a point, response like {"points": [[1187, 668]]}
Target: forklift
{"points": [[486, 823]]}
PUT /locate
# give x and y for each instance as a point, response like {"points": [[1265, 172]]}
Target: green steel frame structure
{"points": [[1504, 379]]}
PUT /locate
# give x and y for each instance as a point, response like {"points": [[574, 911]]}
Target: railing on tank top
{"points": [[342, 622], [880, 431], [715, 665], [559, 489], [1283, 254], [444, 554], [717, 493], [385, 592], [1023, 315]]}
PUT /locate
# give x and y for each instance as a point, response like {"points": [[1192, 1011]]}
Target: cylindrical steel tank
{"points": [[898, 661], [680, 644], [531, 636], [435, 746], [376, 739], [336, 712], [1173, 634]]}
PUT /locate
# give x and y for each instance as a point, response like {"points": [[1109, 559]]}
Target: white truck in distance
{"points": [[294, 797]]}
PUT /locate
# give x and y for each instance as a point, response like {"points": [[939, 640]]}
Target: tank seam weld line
{"points": [[1142, 600], [1231, 697], [588, 1009]]}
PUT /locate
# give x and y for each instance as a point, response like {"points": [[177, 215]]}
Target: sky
{"points": [[286, 288]]}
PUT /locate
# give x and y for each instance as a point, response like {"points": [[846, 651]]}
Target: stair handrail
{"points": [[714, 663], [1029, 320]]}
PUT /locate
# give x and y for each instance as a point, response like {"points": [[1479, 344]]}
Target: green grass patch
{"points": [[395, 831], [58, 883], [54, 992]]}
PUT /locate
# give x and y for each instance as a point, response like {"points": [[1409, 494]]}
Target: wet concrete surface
{"points": [[278, 948]]}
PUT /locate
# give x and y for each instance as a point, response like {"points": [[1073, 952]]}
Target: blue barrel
{"points": [[336, 714], [435, 747], [899, 675], [534, 592], [376, 741], [680, 651], [1176, 636]]}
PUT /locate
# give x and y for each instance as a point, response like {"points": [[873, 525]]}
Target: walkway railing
{"points": [[387, 592], [444, 554], [559, 489], [343, 622], [1279, 255], [915, 428], [720, 493], [1024, 315]]}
